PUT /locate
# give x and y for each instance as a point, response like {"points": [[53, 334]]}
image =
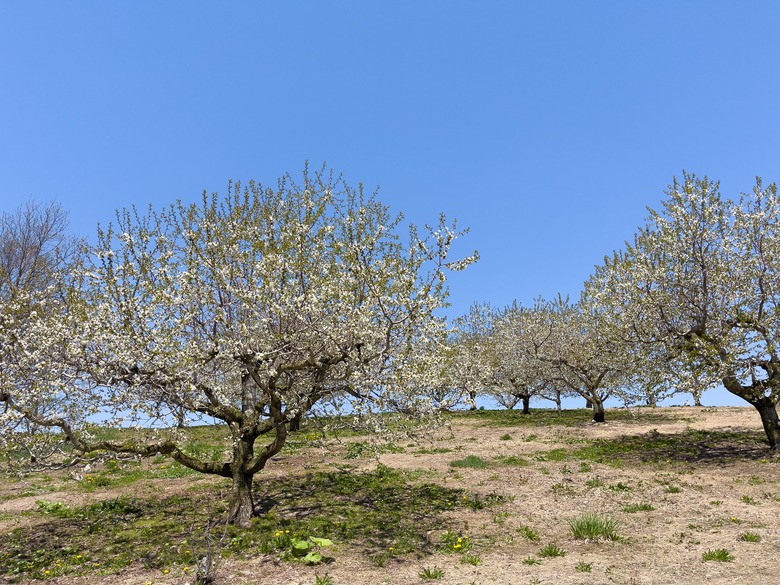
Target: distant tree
{"points": [[700, 283], [36, 250], [471, 343], [248, 310], [576, 342], [518, 375]]}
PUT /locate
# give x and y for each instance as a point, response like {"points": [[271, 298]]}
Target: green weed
{"points": [[431, 573], [529, 533], [719, 554], [583, 567], [551, 551]]}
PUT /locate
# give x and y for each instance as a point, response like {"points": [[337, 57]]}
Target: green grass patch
{"points": [[549, 416], [471, 461], [633, 508], [371, 512]]}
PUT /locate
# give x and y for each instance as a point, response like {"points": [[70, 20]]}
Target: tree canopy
{"points": [[249, 309]]}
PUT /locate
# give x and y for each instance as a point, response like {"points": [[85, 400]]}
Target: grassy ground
{"points": [[654, 496]]}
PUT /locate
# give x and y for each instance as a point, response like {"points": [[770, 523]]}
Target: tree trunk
{"points": [[526, 404], [295, 423], [598, 410], [241, 506], [767, 408], [588, 403]]}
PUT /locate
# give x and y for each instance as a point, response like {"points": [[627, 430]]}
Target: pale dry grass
{"points": [[705, 496]]}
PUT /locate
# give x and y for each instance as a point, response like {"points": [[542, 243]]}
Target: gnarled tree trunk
{"points": [[767, 409], [241, 506]]}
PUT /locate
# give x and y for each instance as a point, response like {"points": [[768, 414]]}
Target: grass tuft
{"points": [[593, 526]]}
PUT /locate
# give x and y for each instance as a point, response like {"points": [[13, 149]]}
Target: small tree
{"points": [[700, 283], [248, 310]]}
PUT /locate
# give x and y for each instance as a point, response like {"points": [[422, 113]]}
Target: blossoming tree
{"points": [[248, 310], [700, 283]]}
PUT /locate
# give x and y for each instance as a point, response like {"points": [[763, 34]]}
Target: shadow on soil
{"points": [[691, 446]]}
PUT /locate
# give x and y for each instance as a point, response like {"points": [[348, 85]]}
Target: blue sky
{"points": [[546, 126]]}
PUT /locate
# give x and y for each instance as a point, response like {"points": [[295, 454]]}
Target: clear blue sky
{"points": [[545, 126]]}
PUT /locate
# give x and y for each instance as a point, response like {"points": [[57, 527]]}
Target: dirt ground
{"points": [[704, 498]]}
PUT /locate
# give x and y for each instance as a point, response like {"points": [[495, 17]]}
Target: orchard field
{"points": [[654, 496]]}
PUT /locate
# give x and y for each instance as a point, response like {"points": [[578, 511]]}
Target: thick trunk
{"points": [[588, 403], [598, 410], [241, 506], [526, 405], [295, 423], [767, 409]]}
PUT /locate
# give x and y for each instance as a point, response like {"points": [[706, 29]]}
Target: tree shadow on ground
{"points": [[704, 447], [373, 510]]}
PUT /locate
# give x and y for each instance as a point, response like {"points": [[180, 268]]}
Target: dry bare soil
{"points": [[678, 483]]}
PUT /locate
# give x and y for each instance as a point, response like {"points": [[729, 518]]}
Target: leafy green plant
{"points": [[532, 561], [471, 560], [594, 482], [718, 554], [750, 501], [750, 537], [53, 508], [552, 550], [621, 487], [673, 489], [431, 573], [506, 437], [592, 526], [585, 467], [302, 549], [324, 580]]}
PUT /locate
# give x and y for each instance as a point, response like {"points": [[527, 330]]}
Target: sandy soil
{"points": [[725, 490]]}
